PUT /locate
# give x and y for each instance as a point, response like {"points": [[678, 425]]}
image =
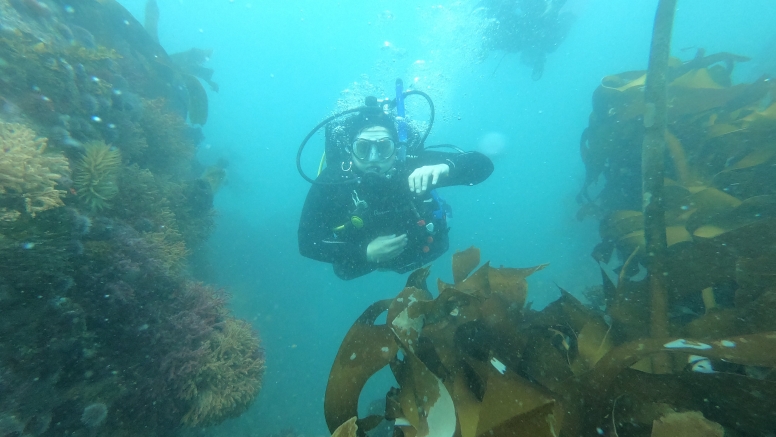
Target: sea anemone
{"points": [[94, 414], [96, 174]]}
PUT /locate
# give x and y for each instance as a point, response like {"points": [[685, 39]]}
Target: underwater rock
{"points": [[83, 37], [92, 309], [215, 175], [38, 424], [143, 224], [89, 103], [82, 129], [25, 405], [193, 134], [61, 137], [81, 224], [103, 228], [200, 195], [127, 101], [10, 425]]}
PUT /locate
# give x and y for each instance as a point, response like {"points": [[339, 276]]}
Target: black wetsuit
{"points": [[339, 221]]}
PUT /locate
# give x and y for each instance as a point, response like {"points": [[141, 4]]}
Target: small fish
{"points": [[89, 103], [80, 72], [37, 7], [68, 68]]}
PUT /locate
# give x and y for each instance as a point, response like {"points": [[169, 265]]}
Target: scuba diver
{"points": [[375, 206], [532, 27]]}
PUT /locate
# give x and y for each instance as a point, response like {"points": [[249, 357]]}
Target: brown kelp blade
{"points": [[417, 278], [198, 107], [686, 424], [366, 349], [347, 429], [751, 350], [464, 262]]}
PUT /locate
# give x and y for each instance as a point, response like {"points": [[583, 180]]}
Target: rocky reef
{"points": [[104, 331]]}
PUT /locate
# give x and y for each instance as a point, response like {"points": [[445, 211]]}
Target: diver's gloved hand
{"points": [[385, 248], [426, 177]]}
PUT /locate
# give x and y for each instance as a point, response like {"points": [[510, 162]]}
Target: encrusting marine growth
{"points": [[28, 175], [105, 328], [230, 378]]}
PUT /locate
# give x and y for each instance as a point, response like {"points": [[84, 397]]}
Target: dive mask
{"points": [[373, 150]]}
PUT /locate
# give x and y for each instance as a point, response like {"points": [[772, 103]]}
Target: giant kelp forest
{"points": [[102, 329], [476, 361]]}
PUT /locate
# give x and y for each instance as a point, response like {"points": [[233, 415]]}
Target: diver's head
{"points": [[373, 150], [373, 141]]}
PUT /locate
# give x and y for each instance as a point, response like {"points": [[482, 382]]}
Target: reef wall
{"points": [[103, 330]]}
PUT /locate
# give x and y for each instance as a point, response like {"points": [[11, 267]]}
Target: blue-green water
{"points": [[282, 66]]}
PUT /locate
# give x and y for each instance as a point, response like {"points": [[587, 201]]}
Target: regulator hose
{"points": [[310, 135]]}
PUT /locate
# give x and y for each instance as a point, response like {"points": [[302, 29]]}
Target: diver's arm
{"points": [[467, 168]]}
